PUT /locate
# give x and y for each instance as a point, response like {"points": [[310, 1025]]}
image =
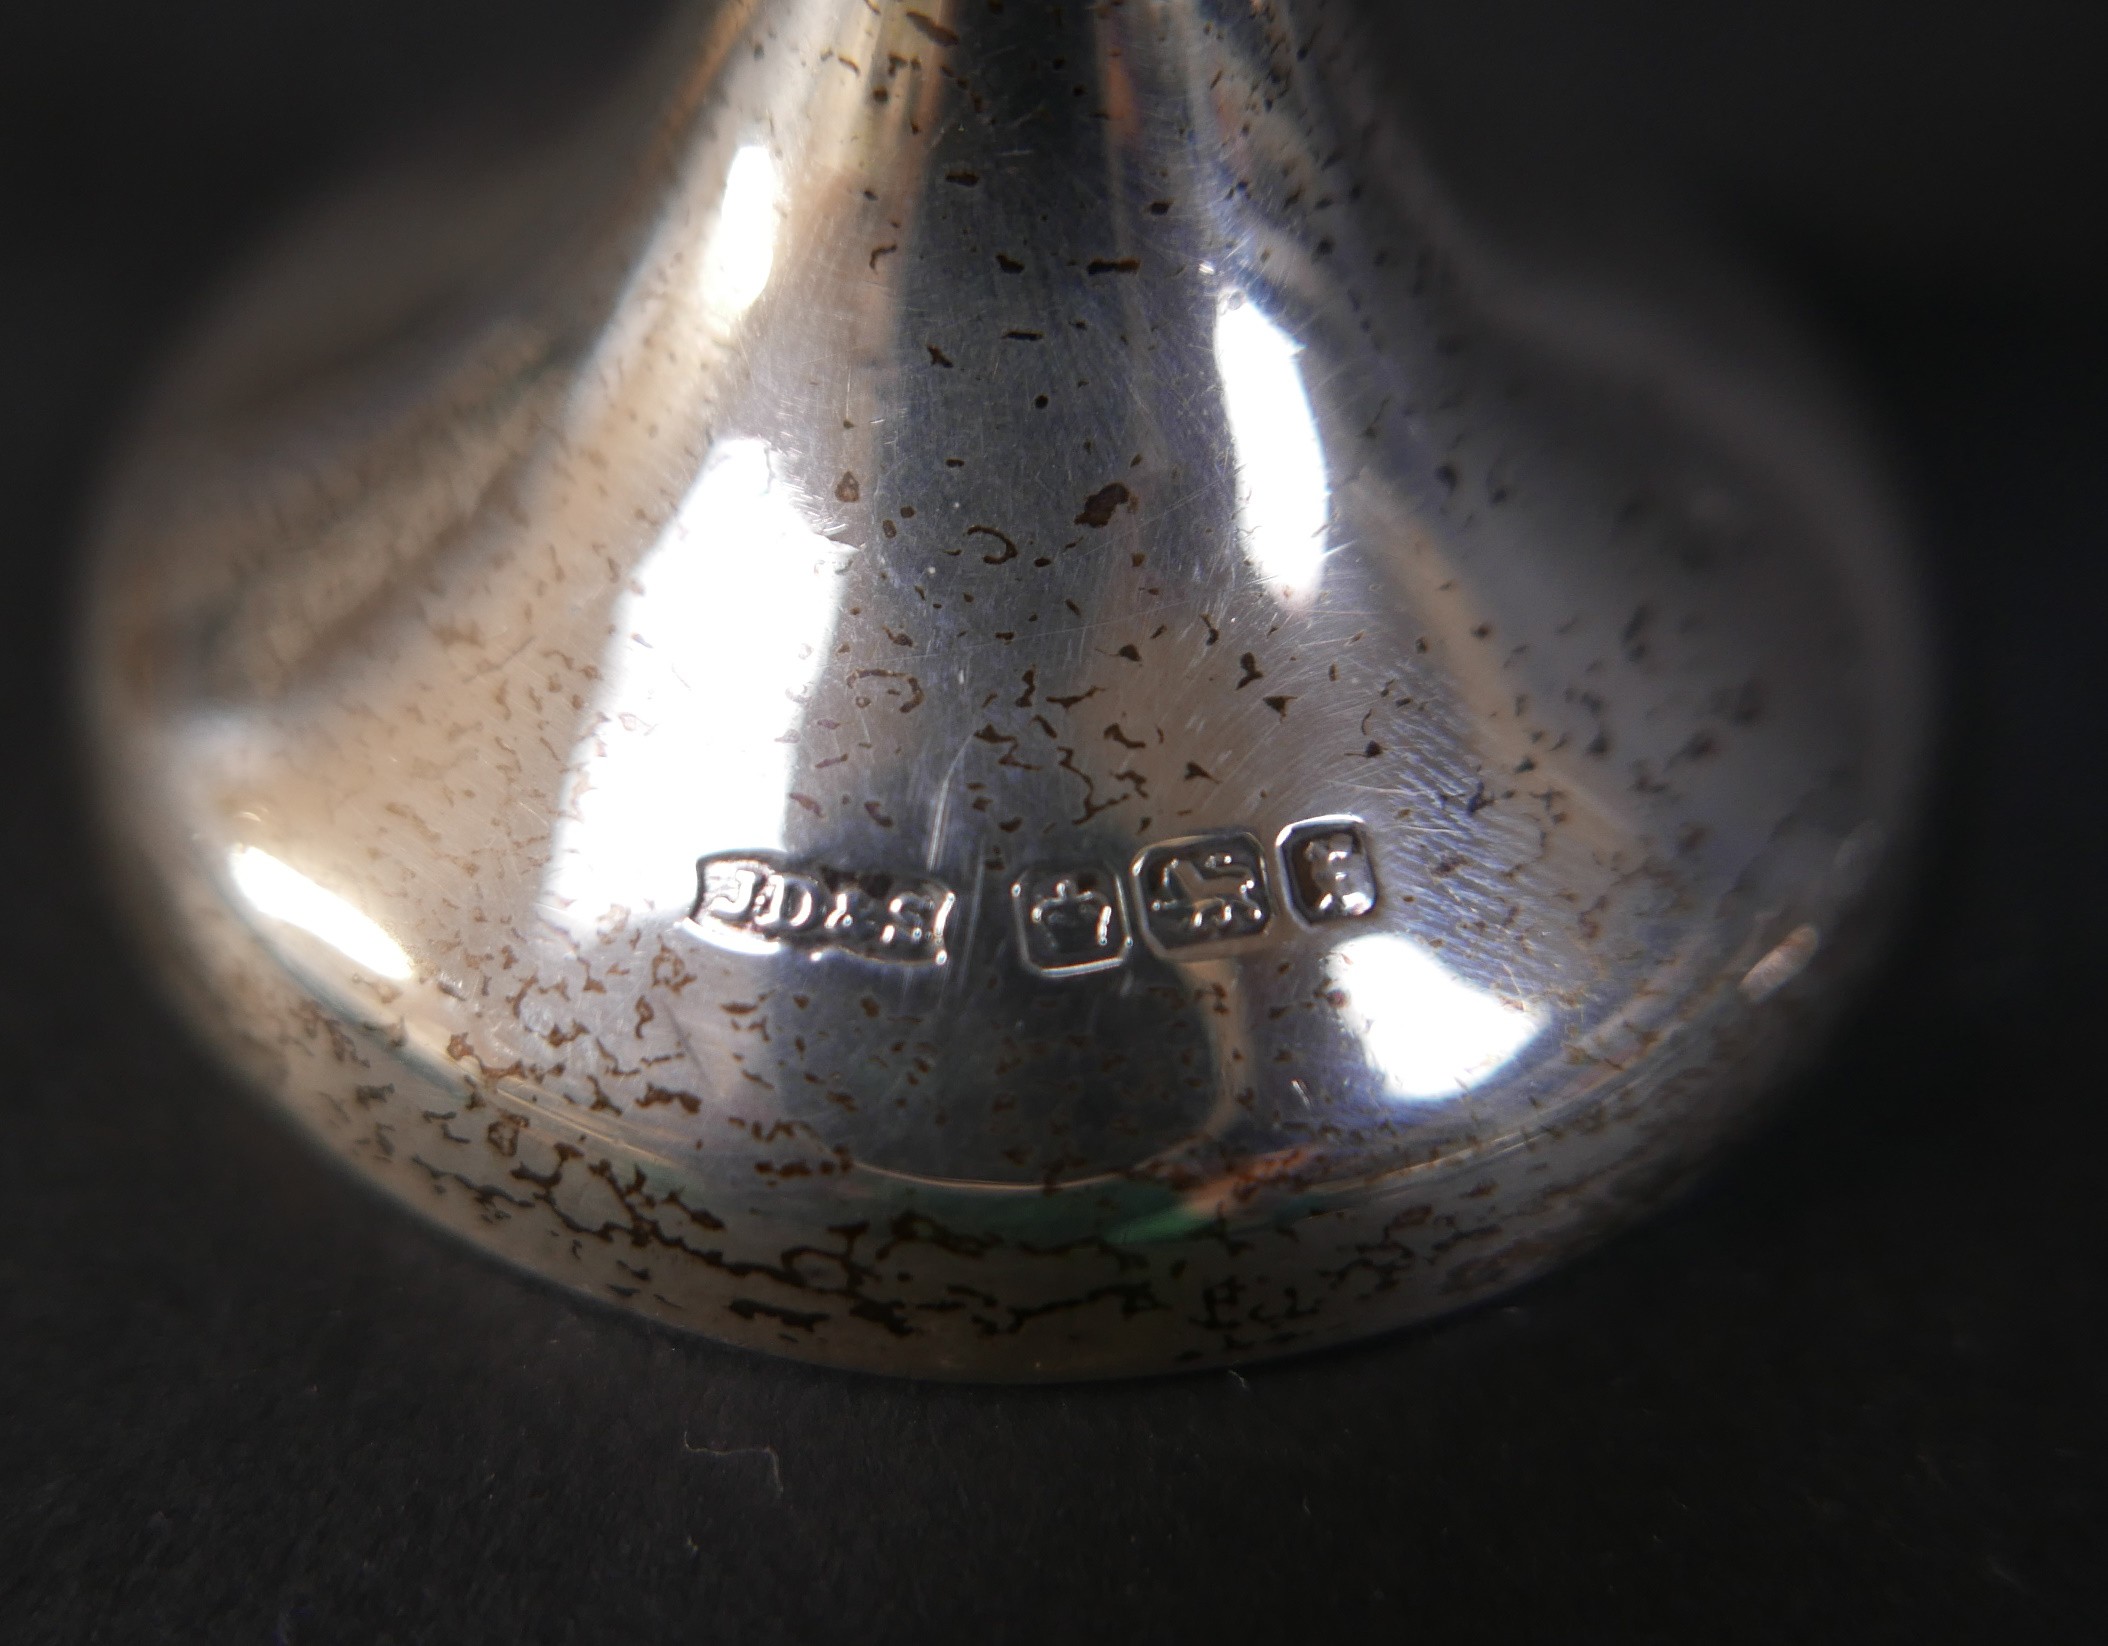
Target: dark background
{"points": [[1857, 1389]]}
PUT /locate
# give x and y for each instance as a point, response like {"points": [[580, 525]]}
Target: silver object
{"points": [[969, 694]]}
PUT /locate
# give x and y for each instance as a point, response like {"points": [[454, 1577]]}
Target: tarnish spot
{"points": [[933, 29], [1009, 548], [1099, 508]]}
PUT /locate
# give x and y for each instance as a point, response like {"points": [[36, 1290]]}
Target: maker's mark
{"points": [[756, 902]]}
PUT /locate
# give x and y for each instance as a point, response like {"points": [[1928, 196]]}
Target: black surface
{"points": [[1856, 1389]]}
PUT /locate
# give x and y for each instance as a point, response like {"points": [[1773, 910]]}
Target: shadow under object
{"points": [[967, 693]]}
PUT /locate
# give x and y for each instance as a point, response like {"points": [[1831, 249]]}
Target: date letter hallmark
{"points": [[1203, 892], [754, 903], [1070, 922], [1330, 876]]}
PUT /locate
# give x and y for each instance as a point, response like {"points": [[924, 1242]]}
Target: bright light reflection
{"points": [[281, 892], [725, 625], [1782, 965], [1283, 503], [1432, 1035], [742, 250]]}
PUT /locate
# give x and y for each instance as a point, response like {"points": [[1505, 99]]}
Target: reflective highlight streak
{"points": [[1283, 498], [1782, 965], [716, 643], [1430, 1034], [280, 892], [742, 251]]}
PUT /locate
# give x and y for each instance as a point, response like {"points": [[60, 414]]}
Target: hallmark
{"points": [[1070, 922], [1208, 890], [1330, 873], [754, 902]]}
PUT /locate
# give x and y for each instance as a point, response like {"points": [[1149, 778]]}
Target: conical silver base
{"points": [[968, 696]]}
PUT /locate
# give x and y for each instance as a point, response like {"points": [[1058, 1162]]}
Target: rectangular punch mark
{"points": [[1071, 922], [1328, 870], [1203, 892], [755, 902]]}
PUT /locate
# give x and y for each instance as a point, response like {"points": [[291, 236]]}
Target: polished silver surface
{"points": [[969, 693]]}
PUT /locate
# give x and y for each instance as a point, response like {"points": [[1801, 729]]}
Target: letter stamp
{"points": [[755, 903], [1329, 871]]}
